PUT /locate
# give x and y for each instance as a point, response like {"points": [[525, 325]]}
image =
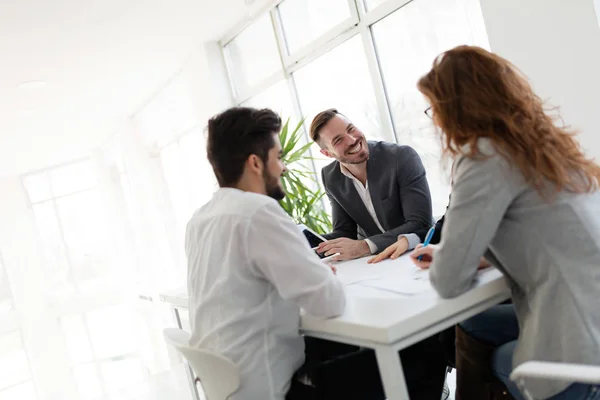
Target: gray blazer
{"points": [[399, 192], [548, 251]]}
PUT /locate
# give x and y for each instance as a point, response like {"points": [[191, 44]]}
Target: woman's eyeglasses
{"points": [[429, 112]]}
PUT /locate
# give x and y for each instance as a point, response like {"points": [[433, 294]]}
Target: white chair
{"points": [[554, 371], [218, 376]]}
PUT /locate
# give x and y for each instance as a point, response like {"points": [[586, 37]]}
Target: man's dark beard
{"points": [[272, 186], [347, 160]]}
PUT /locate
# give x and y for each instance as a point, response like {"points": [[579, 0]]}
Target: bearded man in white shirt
{"points": [[250, 271]]}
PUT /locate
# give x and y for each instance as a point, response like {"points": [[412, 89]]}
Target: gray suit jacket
{"points": [[548, 251], [399, 191]]}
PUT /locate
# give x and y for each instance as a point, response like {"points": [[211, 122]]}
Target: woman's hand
{"points": [[427, 257], [393, 251], [483, 263], [426, 254]]}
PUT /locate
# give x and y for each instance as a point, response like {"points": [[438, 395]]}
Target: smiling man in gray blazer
{"points": [[378, 190]]}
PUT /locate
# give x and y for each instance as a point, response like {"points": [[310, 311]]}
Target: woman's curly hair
{"points": [[477, 94]]}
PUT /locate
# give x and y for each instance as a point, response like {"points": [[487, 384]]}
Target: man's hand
{"points": [[393, 251], [349, 249]]}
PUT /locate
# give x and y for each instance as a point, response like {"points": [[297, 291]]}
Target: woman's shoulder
{"points": [[485, 160]]}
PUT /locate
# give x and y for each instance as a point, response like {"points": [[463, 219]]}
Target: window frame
{"points": [[361, 22]]}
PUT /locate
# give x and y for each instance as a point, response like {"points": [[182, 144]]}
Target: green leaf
{"points": [[284, 132], [303, 203]]}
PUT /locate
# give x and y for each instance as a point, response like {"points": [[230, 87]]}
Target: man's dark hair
{"points": [[234, 135], [320, 120]]}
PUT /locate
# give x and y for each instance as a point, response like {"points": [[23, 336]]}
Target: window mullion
{"points": [[378, 83], [280, 36]]}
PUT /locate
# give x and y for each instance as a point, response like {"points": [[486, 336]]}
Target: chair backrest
{"points": [[556, 371], [220, 377]]}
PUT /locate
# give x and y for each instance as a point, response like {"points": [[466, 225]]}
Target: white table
{"points": [[390, 306]]}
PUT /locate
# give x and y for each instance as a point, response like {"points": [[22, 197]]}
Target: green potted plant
{"points": [[302, 202]]}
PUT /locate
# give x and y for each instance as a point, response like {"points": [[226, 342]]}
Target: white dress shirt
{"points": [[249, 272], [365, 196]]}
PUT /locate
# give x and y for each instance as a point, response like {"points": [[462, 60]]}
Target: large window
{"points": [[307, 20], [363, 57], [189, 177], [103, 350], [15, 375], [253, 55], [371, 4], [407, 41], [340, 78], [63, 201], [178, 158], [70, 214], [85, 281], [6, 303], [276, 97]]}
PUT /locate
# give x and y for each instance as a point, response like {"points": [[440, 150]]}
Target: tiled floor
{"points": [[168, 385], [173, 385]]}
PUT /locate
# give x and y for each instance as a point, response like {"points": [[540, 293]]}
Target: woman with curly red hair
{"points": [[526, 197]]}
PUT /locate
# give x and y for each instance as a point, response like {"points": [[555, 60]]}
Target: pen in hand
{"points": [[428, 237]]}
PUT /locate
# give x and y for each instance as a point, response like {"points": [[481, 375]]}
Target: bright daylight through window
{"points": [[362, 58], [109, 229]]}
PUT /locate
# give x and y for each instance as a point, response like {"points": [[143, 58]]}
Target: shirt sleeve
{"points": [[482, 192], [372, 246], [413, 240], [282, 256]]}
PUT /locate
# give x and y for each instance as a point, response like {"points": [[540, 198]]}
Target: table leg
{"points": [[391, 373], [188, 370]]}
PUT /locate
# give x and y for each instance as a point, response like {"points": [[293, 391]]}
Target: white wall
{"points": [[205, 75], [197, 91], [556, 43]]}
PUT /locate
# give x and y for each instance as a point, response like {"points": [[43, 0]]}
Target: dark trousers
{"points": [[498, 327], [339, 371]]}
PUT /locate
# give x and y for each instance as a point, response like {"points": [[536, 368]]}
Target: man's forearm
{"points": [[412, 240], [387, 238]]}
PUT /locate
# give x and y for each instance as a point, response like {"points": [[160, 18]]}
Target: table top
{"points": [[387, 301]]}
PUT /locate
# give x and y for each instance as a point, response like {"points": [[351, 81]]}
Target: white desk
{"points": [[386, 321]]}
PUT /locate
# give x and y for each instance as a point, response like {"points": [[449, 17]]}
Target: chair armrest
{"points": [[556, 371]]}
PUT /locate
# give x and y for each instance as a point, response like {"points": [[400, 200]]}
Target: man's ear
{"points": [[326, 153], [255, 164]]}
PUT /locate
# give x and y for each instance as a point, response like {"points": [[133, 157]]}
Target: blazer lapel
{"points": [[356, 208], [375, 191]]}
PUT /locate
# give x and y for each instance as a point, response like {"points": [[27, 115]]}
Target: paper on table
{"points": [[392, 277], [400, 270], [405, 287], [355, 271]]}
